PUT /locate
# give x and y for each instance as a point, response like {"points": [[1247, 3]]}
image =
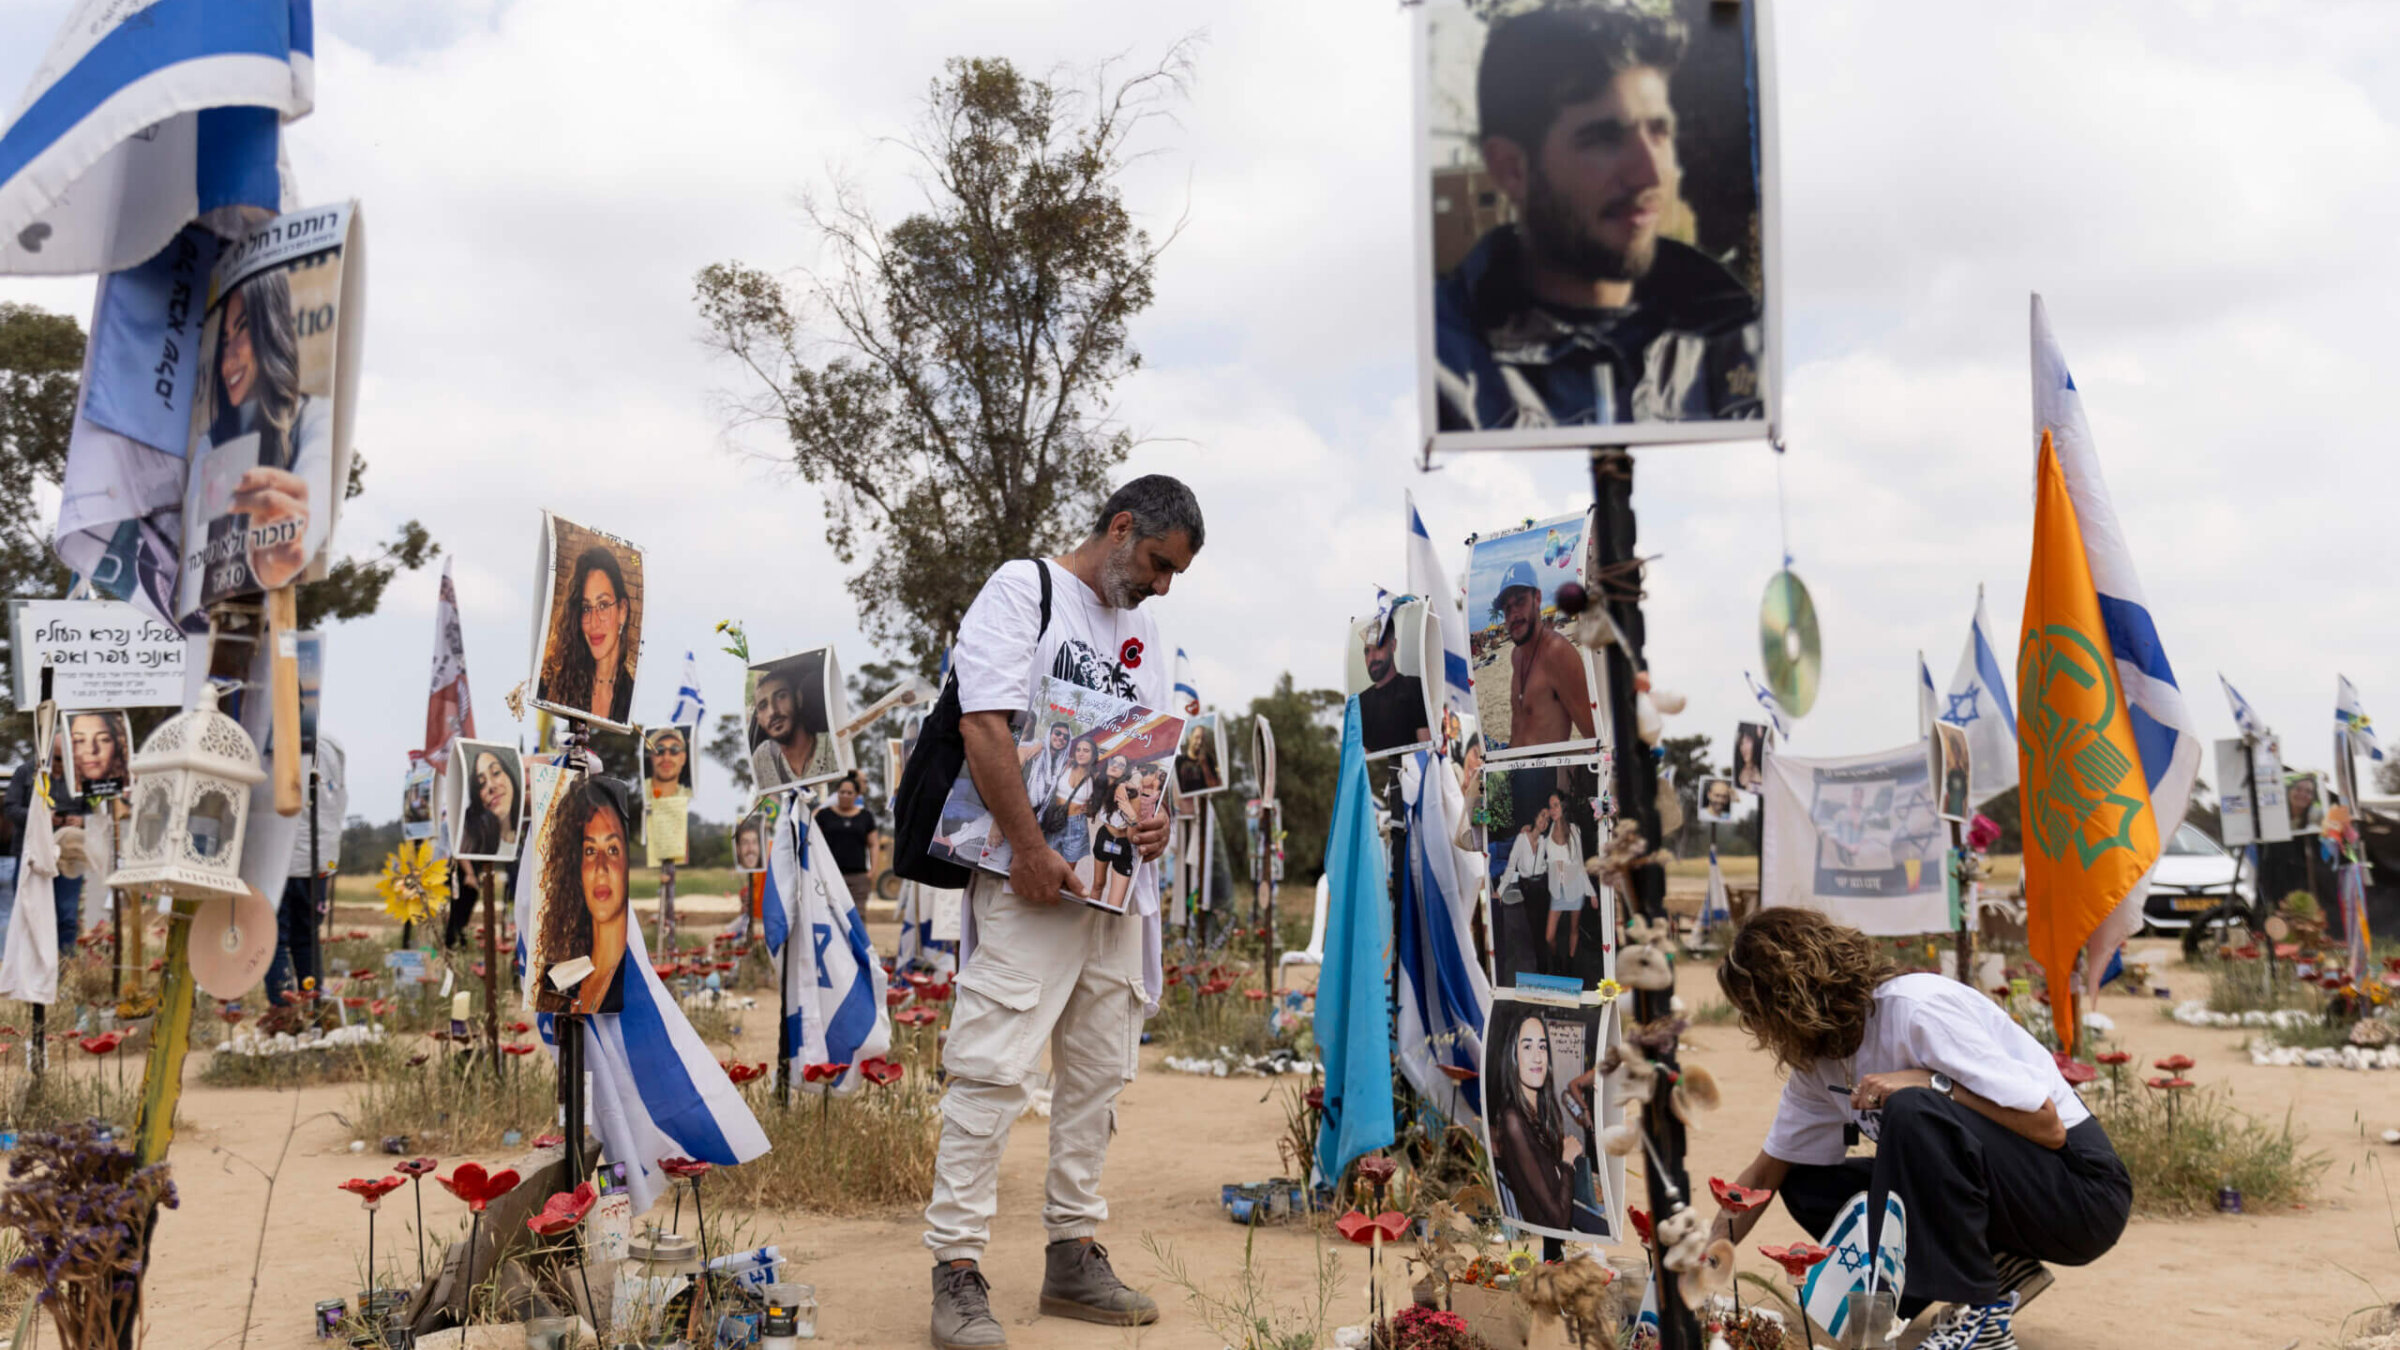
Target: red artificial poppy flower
{"points": [[1254, 995], [2173, 1063], [918, 979], [103, 1043], [365, 974], [822, 1073], [469, 1182], [563, 1211], [520, 1027], [916, 1017], [519, 1047], [1795, 1259], [2076, 1072], [371, 1191], [684, 1169], [379, 1007], [881, 1072], [895, 996], [11, 1028], [2176, 1084], [1315, 1099], [354, 1002], [743, 1073], [231, 1012], [2115, 1057], [357, 935], [1641, 1223], [415, 1167], [1391, 1226], [1739, 1199], [158, 965], [1456, 1073], [724, 966], [936, 993], [1376, 1169], [1174, 979]]}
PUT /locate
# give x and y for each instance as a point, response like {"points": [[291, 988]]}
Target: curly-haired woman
{"points": [[586, 861], [1998, 1164]]}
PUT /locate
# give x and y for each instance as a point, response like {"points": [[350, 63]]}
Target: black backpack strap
{"points": [[1043, 566]]}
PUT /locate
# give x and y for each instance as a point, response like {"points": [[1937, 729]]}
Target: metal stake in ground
{"points": [[491, 968]]}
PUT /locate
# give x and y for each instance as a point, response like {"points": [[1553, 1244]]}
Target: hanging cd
{"points": [[1787, 640], [232, 940]]}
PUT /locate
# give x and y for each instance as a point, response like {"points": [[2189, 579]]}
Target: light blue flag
{"points": [[144, 117], [1445, 999], [690, 709], [1353, 1024]]}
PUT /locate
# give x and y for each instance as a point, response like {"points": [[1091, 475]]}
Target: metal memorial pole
{"points": [[491, 967], [1966, 905]]}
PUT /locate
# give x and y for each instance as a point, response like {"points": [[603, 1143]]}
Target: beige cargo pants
{"points": [[1068, 976]]}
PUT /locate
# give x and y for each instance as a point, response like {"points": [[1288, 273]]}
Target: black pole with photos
{"points": [[37, 1054], [569, 1029], [491, 968], [1964, 868], [784, 1049], [1617, 584]]}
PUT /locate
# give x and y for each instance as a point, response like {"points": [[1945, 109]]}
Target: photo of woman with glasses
{"points": [[595, 630]]}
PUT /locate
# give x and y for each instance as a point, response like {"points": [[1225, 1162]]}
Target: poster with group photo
{"points": [[1544, 1105], [1595, 215], [1389, 655], [271, 417], [1553, 922], [583, 867], [587, 639], [796, 702], [485, 791], [99, 758], [1533, 687], [1858, 838]]}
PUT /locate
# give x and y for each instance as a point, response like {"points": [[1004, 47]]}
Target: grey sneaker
{"points": [[962, 1310], [1079, 1283]]}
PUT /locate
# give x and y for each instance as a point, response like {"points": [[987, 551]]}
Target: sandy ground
{"points": [[2265, 1280]]}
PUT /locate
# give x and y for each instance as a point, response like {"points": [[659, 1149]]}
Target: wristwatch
{"points": [[1941, 1083]]}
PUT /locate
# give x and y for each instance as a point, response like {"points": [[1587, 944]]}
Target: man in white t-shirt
{"points": [[1038, 967]]}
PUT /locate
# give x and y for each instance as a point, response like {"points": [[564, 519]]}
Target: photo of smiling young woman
{"points": [[487, 800], [98, 757], [584, 907], [592, 630], [1543, 1112]]}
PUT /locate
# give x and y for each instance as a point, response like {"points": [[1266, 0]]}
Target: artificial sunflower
{"points": [[415, 885], [1608, 991]]}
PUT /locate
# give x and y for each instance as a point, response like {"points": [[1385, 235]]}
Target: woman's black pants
{"points": [[1972, 1188]]}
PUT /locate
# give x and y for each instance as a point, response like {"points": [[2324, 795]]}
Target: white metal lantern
{"points": [[191, 802]]}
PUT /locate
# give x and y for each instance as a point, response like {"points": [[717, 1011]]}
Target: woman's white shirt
{"points": [[1921, 1021]]}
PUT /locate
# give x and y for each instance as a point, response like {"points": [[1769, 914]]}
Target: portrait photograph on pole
{"points": [[1533, 686], [588, 636], [795, 703], [1554, 923], [1596, 223], [582, 910], [1386, 668], [486, 801], [1544, 1106], [99, 758]]}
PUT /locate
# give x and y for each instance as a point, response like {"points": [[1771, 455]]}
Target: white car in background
{"points": [[2193, 876]]}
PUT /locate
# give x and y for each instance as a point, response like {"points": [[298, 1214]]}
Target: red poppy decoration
{"points": [[354, 1002], [2076, 1072], [1255, 995], [880, 1071], [915, 1017], [1315, 1097], [103, 1043], [519, 1047], [1359, 1227], [520, 1028], [419, 1058], [548, 1139], [367, 973], [895, 996], [937, 993], [231, 1012], [2173, 1063], [919, 979], [1456, 1073], [1795, 1259], [744, 1073], [471, 1183], [1377, 1170], [684, 1169], [380, 1007], [2115, 1057], [563, 1211], [371, 1190], [416, 1167], [2175, 1084], [1641, 1223], [1739, 1199], [822, 1073]]}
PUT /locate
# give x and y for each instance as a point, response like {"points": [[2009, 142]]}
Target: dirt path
{"points": [[2262, 1280]]}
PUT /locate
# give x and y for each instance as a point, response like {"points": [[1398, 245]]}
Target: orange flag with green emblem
{"points": [[2090, 834]]}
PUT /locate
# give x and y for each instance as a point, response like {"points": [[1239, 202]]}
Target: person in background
{"points": [[850, 834], [67, 811], [302, 913]]}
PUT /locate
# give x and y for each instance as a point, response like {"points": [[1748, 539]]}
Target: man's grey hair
{"points": [[1161, 506]]}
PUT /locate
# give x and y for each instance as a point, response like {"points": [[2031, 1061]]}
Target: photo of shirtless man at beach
{"points": [[1533, 687]]}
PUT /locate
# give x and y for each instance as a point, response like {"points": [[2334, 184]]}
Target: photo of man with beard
{"points": [[1598, 291], [1391, 706], [791, 721]]}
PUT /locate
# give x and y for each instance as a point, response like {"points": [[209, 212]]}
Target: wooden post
{"points": [[170, 1041], [491, 968]]}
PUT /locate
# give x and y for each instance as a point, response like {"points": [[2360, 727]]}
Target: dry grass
{"points": [[305, 1068], [870, 1152], [2177, 1163], [452, 1105]]}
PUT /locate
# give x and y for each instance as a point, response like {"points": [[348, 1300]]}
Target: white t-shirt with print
{"points": [[1920, 1021], [1003, 650]]}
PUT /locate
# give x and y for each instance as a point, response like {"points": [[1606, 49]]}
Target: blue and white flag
{"points": [[1978, 702], [690, 709], [2351, 720], [2245, 718], [1187, 690], [1353, 1025], [1716, 906], [144, 117], [1926, 698], [2163, 728], [1444, 997], [1774, 710], [833, 983], [1426, 578]]}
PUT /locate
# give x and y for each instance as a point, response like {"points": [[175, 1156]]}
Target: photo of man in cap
{"points": [[1549, 695]]}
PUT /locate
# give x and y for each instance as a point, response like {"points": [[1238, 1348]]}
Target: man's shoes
{"points": [[1079, 1283], [1985, 1326], [962, 1310]]}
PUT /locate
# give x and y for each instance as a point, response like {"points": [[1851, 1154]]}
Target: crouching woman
{"points": [[1997, 1163]]}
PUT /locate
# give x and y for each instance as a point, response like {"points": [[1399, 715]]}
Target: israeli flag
{"points": [[142, 118], [833, 983], [1445, 999], [1717, 906], [1978, 702], [1766, 701], [690, 709], [2245, 718], [2351, 720], [1426, 578], [2163, 728], [1925, 698], [1187, 691]]}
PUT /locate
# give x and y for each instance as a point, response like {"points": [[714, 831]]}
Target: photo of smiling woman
{"points": [[99, 764], [587, 862], [592, 630], [1540, 1110], [487, 800]]}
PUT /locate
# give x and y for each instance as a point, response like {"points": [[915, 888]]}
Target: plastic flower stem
{"points": [[474, 1237], [700, 1218], [586, 1276], [370, 1308], [416, 1186]]}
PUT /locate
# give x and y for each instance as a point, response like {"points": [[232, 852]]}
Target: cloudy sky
{"points": [[2203, 191]]}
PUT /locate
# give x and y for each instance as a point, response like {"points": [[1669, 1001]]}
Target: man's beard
{"points": [[1560, 239], [1117, 587]]}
